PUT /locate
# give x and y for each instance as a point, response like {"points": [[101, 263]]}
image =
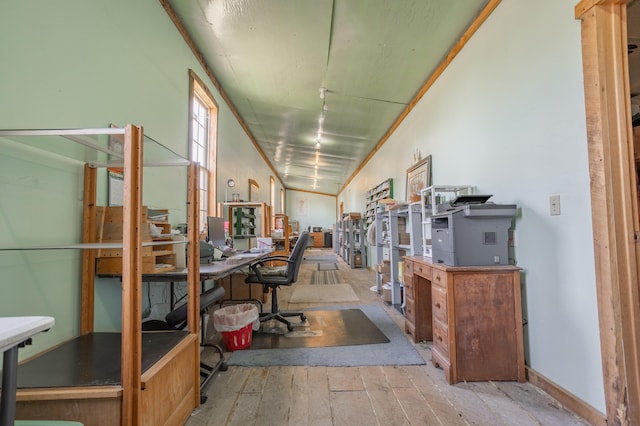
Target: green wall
{"points": [[87, 64]]}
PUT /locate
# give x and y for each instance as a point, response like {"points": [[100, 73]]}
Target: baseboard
{"points": [[570, 401]]}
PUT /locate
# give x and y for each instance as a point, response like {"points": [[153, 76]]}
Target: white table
{"points": [[13, 332]]}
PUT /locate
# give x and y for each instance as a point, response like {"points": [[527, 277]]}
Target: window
{"points": [[282, 209], [203, 144], [272, 193]]}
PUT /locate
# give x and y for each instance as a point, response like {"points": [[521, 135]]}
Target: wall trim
{"points": [[567, 399]]}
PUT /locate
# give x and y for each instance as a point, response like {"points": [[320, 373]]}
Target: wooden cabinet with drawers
{"points": [[318, 239], [473, 315]]}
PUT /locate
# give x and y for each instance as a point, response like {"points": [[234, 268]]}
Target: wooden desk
{"points": [[208, 271], [473, 315]]}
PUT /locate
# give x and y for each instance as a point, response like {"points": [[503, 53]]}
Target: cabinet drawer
{"points": [[410, 310], [408, 286], [422, 270], [408, 268], [439, 278], [441, 338], [439, 300]]}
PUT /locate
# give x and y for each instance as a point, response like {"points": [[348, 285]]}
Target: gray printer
{"points": [[472, 232]]}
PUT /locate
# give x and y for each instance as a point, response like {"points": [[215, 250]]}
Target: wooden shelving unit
{"points": [[381, 191], [248, 220], [353, 236], [156, 258], [150, 392]]}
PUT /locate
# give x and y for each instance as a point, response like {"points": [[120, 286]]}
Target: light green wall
{"points": [[508, 117], [82, 64], [311, 210]]}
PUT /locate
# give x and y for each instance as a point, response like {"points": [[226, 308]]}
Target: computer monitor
{"points": [[215, 231]]}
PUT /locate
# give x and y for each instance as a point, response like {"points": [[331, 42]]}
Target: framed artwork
{"points": [[418, 177]]}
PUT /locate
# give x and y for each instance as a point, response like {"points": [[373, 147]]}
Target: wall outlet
{"points": [[554, 205]]}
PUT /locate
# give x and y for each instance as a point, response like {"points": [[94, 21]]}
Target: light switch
{"points": [[554, 205]]}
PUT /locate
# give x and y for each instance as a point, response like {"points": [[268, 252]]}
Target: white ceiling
{"points": [[338, 71]]}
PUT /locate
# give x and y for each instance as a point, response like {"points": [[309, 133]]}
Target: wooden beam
{"points": [[613, 203], [87, 291], [131, 364], [193, 265], [200, 58]]}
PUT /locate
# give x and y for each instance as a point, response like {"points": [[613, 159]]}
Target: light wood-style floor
{"points": [[379, 395]]}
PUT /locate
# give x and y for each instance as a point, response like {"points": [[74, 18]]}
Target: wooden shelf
{"points": [[171, 381]]}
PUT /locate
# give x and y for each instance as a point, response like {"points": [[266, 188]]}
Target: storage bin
{"points": [[235, 323], [239, 339]]}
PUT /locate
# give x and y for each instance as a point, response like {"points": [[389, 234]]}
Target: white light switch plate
{"points": [[554, 205]]}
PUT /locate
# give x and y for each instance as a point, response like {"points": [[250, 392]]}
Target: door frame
{"points": [[614, 204]]}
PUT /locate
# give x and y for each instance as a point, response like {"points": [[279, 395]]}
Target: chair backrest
{"points": [[296, 256]]}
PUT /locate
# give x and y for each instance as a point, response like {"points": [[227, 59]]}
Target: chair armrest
{"points": [[269, 259], [256, 271]]}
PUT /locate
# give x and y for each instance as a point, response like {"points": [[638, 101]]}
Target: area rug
{"points": [[399, 351], [324, 277], [325, 258], [307, 293], [327, 266], [335, 327]]}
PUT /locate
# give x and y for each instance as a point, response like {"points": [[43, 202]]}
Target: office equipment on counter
{"points": [[206, 252], [217, 238], [471, 232]]}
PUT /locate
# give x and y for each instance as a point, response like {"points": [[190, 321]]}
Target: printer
{"points": [[207, 252], [469, 231]]}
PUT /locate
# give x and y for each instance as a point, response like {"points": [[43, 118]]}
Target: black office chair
{"points": [[177, 320], [272, 277]]}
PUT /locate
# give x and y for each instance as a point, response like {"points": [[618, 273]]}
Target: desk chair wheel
{"points": [[223, 366], [290, 327], [303, 317]]}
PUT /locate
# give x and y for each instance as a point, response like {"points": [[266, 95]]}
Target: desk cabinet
{"points": [[318, 239], [472, 314]]}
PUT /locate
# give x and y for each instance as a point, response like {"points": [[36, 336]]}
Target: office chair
{"points": [[177, 320], [272, 277]]}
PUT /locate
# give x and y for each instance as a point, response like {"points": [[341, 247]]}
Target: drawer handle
{"points": [[437, 305], [437, 277], [440, 338]]}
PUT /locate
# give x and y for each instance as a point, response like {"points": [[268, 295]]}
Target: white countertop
{"points": [[15, 330]]}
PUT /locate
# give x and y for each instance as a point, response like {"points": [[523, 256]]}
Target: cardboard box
{"points": [[353, 215], [235, 289], [386, 292], [264, 243], [384, 267], [357, 259]]}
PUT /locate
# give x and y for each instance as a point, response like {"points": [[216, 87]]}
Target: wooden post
{"points": [[88, 256], [613, 202], [193, 265], [131, 364]]}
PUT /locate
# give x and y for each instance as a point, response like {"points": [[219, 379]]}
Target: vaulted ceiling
{"points": [[319, 83]]}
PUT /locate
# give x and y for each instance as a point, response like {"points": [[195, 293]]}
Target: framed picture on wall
{"points": [[418, 177]]}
